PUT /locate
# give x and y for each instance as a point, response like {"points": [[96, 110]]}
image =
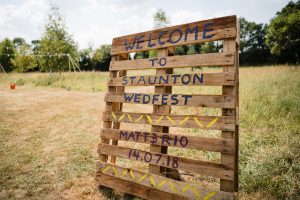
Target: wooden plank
{"points": [[202, 167], [161, 109], [216, 101], [135, 188], [118, 107], [169, 186], [228, 185], [196, 79], [173, 39], [217, 23], [109, 107], [209, 59], [174, 140], [184, 121], [236, 134]]}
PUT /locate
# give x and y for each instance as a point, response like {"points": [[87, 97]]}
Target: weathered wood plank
{"points": [[135, 188], [174, 39], [202, 167], [184, 121], [161, 109], [228, 185], [174, 140], [217, 23], [169, 186], [109, 107], [215, 101], [196, 79], [209, 59], [237, 93], [118, 107]]}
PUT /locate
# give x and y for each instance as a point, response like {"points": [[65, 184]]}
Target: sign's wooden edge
{"points": [[157, 182]]}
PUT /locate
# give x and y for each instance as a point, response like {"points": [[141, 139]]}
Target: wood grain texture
{"points": [[219, 34], [169, 186], [198, 166], [209, 79], [209, 59], [135, 188], [229, 185], [162, 109], [174, 140], [214, 101], [118, 107], [218, 23], [109, 107], [172, 120]]}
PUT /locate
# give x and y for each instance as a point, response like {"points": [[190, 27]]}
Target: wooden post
{"points": [[163, 109], [118, 106], [231, 159], [108, 108]]}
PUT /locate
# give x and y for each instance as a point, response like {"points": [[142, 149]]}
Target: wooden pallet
{"points": [[163, 180]]}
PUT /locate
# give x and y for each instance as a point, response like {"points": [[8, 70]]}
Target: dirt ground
{"points": [[48, 143]]}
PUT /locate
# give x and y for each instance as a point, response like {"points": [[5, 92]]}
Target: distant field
{"points": [[49, 134], [83, 81]]}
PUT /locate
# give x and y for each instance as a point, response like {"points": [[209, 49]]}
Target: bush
{"points": [[20, 82]]}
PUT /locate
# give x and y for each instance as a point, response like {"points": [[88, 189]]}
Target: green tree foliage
{"points": [[208, 47], [283, 36], [18, 42], [181, 50], [85, 59], [24, 60], [102, 57], [142, 54], [161, 19], [6, 54], [253, 48], [36, 46], [56, 41]]}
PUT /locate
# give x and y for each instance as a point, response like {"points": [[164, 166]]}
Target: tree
{"points": [[143, 54], [18, 42], [36, 46], [24, 61], [102, 57], [7, 52], [181, 50], [85, 59], [161, 19], [253, 48], [56, 43], [283, 35]]}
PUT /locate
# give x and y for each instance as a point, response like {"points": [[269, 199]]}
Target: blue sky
{"points": [[96, 22]]}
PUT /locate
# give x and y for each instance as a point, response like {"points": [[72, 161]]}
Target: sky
{"points": [[96, 22]]}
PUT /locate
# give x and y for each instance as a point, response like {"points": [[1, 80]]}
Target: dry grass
{"points": [[49, 136]]}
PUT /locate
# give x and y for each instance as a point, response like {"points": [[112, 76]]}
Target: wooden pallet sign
{"points": [[163, 178]]}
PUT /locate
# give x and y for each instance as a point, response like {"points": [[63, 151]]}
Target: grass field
{"points": [[49, 134]]}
